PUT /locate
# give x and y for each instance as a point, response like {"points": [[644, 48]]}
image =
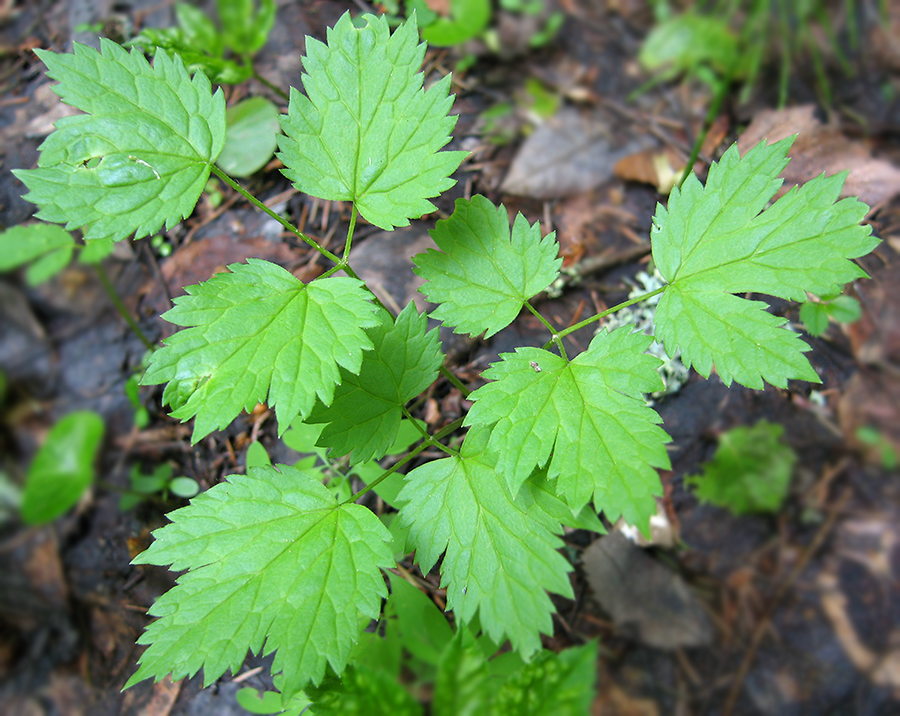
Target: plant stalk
{"points": [[120, 307]]}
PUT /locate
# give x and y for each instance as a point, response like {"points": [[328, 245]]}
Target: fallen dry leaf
{"points": [[822, 148], [645, 599], [572, 152]]}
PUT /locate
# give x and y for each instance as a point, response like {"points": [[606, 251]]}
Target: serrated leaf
{"points": [[259, 333], [141, 156], [750, 472], [483, 274], [275, 564], [48, 246], [719, 240], [560, 684], [365, 415], [366, 131], [463, 685], [499, 555], [361, 691], [586, 416]]}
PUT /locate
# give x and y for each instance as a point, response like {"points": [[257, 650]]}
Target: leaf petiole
{"points": [[443, 432], [281, 220], [604, 314]]}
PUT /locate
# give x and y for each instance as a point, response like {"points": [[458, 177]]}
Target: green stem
{"points": [[555, 336], [350, 230], [426, 437], [120, 307], [277, 90], [448, 374], [607, 312], [265, 209], [711, 114], [455, 425]]}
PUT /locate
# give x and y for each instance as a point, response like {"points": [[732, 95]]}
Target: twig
{"points": [[763, 624]]}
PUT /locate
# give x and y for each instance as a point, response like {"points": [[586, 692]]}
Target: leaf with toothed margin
{"points": [[141, 156], [258, 334]]}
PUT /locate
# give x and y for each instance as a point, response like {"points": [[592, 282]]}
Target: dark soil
{"points": [[804, 604]]}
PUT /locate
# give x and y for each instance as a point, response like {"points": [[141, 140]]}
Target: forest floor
{"points": [[796, 612]]}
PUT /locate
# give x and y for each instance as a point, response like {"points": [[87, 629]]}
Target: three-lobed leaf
{"points": [[256, 334], [483, 273], [140, 157], [364, 416], [366, 131], [274, 564], [500, 554], [587, 417], [717, 240]]}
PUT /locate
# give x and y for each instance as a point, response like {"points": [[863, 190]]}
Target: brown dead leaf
{"points": [[164, 694], [571, 152], [871, 399], [645, 599], [822, 148]]}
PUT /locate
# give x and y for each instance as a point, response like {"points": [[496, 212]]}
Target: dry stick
{"points": [[763, 623]]}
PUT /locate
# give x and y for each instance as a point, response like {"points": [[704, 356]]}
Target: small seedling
{"points": [[750, 472], [159, 482]]}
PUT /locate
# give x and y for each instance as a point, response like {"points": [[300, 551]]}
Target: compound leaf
{"points": [[274, 564], [586, 416], [366, 131], [258, 332], [141, 155], [482, 274], [499, 555], [719, 240], [365, 415]]}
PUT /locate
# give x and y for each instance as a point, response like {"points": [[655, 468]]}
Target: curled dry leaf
{"points": [[823, 148]]}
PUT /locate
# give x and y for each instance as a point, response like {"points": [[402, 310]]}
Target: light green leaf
{"points": [[423, 628], [560, 684], [482, 275], [587, 417], [815, 317], [467, 19], [63, 468], [249, 137], [258, 332], [366, 131], [463, 686], [199, 31], [269, 702], [719, 240], [750, 472], [274, 564], [365, 415], [361, 691], [48, 246], [245, 28], [140, 157], [500, 555]]}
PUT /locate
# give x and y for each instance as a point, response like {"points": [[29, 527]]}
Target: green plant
{"points": [[750, 472], [159, 481], [273, 560], [204, 47], [63, 467]]}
